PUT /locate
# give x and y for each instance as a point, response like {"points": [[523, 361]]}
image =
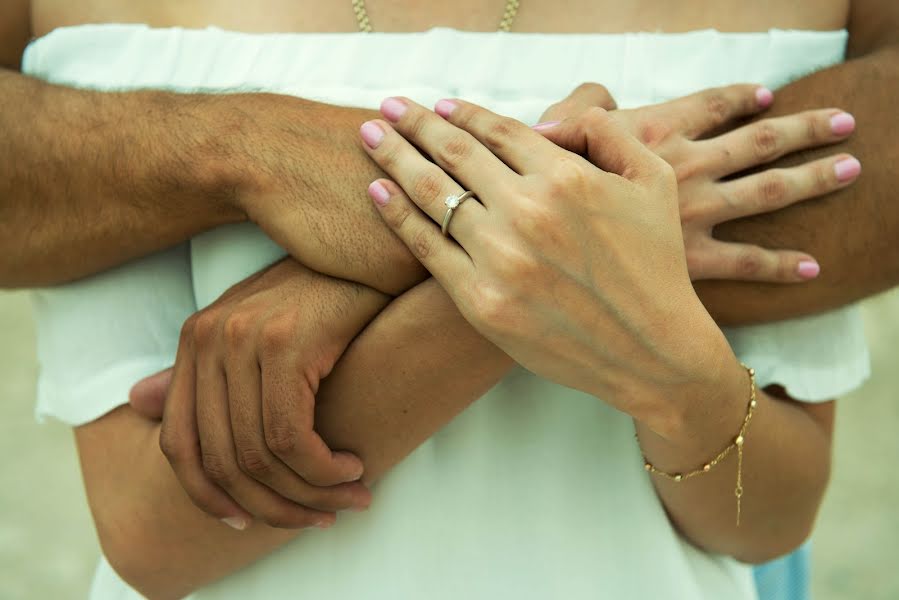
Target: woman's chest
{"points": [[584, 16]]}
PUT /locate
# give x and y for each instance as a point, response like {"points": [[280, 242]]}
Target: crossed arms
{"points": [[343, 428]]}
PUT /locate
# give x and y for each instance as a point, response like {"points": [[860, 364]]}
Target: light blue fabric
{"points": [[786, 578]]}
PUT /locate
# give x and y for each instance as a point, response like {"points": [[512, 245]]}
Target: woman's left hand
{"points": [[577, 272]]}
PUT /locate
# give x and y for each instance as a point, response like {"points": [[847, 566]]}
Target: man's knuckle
{"points": [[206, 327], [217, 468], [255, 462], [282, 440], [237, 329], [279, 334]]}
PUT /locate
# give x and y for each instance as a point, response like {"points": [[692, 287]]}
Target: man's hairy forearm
{"points": [[89, 179], [852, 232], [387, 395]]}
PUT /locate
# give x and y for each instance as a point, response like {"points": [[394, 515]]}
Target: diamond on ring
{"points": [[452, 201]]}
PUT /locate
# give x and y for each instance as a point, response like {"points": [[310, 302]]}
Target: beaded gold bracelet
{"points": [[737, 443]]}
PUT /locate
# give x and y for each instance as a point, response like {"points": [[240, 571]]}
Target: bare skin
{"points": [[41, 258], [374, 13]]}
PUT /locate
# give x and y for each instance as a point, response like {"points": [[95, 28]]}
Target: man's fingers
{"points": [[777, 188], [288, 412], [179, 443], [743, 262], [584, 96], [769, 139], [708, 110], [147, 397], [220, 462]]}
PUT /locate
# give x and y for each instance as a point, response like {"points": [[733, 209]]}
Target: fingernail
{"points": [[764, 96], [545, 125], [372, 134], [842, 124], [324, 523], [393, 109], [808, 269], [847, 169], [445, 108], [238, 523], [381, 196]]}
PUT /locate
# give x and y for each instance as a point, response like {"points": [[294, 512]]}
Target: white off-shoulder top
{"points": [[536, 491]]}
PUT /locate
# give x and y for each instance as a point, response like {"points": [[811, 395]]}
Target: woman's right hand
{"points": [[701, 138]]}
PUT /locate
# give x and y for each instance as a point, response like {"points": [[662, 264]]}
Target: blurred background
{"points": [[48, 548]]}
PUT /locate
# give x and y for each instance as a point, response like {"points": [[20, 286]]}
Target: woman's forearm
{"points": [[390, 392], [785, 472]]}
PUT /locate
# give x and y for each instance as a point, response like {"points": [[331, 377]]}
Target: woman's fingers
{"points": [[743, 262], [767, 140], [587, 95], [516, 144], [454, 150], [777, 188], [606, 142], [426, 183], [706, 111], [442, 257], [179, 442]]}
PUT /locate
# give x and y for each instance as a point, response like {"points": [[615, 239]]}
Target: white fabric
{"points": [[536, 491]]}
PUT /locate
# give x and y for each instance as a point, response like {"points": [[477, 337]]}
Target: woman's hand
{"points": [[701, 137], [577, 272], [238, 421]]}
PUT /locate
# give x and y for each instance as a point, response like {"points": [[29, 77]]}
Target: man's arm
{"points": [[386, 396], [853, 232]]}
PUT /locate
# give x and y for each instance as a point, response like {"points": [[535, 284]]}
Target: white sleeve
{"points": [[98, 336], [814, 358]]}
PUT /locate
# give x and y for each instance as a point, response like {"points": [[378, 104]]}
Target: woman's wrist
{"points": [[702, 416]]}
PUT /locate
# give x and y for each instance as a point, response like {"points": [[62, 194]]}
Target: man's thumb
{"points": [[148, 395]]}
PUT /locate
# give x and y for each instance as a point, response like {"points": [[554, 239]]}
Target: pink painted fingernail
{"points": [[764, 96], [808, 269], [842, 124], [238, 523], [545, 125], [372, 134], [445, 108], [847, 169], [393, 109], [381, 196]]}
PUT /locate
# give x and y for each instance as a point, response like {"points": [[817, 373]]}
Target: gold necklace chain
{"points": [[509, 15]]}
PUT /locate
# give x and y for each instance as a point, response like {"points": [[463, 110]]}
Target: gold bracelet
{"points": [[737, 443]]}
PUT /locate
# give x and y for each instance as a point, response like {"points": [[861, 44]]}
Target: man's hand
{"points": [[700, 136], [238, 421], [190, 163]]}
